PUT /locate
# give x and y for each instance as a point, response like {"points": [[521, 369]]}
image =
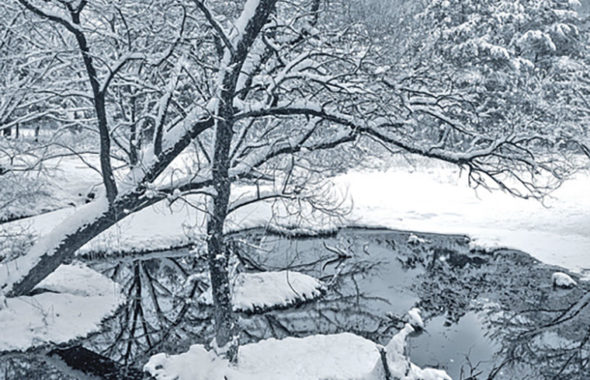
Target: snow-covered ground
{"points": [[75, 301], [56, 183], [434, 198], [427, 197], [338, 357], [430, 197]]}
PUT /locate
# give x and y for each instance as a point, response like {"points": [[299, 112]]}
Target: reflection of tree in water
{"points": [[343, 262], [551, 336], [542, 332], [162, 312]]}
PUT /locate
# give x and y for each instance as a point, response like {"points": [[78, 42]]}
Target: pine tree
{"points": [[518, 63]]}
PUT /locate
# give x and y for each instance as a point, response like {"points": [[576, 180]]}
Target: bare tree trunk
{"points": [[134, 142], [123, 206], [68, 246], [226, 334]]}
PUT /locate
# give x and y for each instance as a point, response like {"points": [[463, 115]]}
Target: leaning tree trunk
{"points": [[68, 240], [72, 240]]}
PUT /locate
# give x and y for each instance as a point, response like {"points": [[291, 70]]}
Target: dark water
{"points": [[488, 315]]}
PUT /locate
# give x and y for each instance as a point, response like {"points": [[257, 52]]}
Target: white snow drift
{"points": [[76, 301]]}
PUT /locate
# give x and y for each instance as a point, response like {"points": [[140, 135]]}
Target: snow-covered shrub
{"points": [[562, 280]]}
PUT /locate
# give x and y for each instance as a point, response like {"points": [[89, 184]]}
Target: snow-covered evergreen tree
{"points": [[520, 64]]}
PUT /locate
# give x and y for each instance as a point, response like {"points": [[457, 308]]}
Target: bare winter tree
{"points": [[254, 92]]}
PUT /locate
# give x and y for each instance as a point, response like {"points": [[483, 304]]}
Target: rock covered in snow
{"points": [[415, 319], [252, 292], [416, 240], [562, 280]]}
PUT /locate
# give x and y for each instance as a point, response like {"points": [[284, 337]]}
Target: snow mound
{"points": [[415, 319], [195, 364], [415, 240], [562, 280], [252, 292], [336, 357], [477, 245], [76, 302]]}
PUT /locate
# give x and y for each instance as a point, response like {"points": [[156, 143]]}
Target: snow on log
{"points": [[13, 271], [70, 303], [257, 292], [394, 362], [562, 280]]}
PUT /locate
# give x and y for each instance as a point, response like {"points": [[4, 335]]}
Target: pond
{"points": [[488, 314]]}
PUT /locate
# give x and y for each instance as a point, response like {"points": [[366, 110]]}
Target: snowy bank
{"points": [[431, 197], [435, 197], [72, 304], [337, 357]]}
